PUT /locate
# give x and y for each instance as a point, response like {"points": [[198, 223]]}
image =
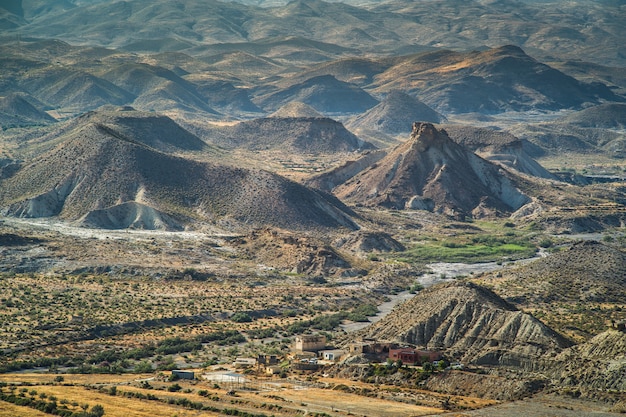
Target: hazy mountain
{"points": [[588, 30], [432, 172], [492, 81], [17, 110], [325, 94], [315, 135], [606, 116]]}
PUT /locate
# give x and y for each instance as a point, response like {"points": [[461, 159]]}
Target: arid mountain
{"points": [[72, 90], [395, 114], [17, 110], [604, 116], [151, 129], [498, 147], [325, 94], [296, 109], [315, 135], [470, 323], [491, 81], [432, 172], [95, 173], [577, 30], [560, 136]]}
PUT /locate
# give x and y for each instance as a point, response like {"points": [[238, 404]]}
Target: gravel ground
{"points": [[541, 406]]}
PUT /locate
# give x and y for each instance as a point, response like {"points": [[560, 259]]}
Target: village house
{"points": [[244, 362], [332, 354], [310, 343], [412, 356], [178, 374]]}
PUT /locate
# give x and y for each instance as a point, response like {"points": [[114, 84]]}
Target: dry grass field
{"points": [[130, 397]]}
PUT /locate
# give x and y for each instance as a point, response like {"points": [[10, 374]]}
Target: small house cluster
{"points": [[268, 364], [309, 350]]}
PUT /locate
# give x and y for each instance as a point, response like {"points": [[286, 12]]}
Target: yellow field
{"points": [[278, 399], [116, 406], [10, 410]]}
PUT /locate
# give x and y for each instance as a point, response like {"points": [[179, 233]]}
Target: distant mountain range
{"points": [[583, 29]]}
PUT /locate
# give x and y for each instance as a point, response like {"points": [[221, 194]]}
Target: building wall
{"points": [[310, 343]]}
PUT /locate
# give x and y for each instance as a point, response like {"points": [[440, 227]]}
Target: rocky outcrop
{"points": [[292, 253], [129, 215], [472, 324], [598, 364], [362, 241], [430, 171]]}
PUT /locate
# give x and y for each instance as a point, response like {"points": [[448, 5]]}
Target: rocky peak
{"points": [[424, 135], [430, 171]]}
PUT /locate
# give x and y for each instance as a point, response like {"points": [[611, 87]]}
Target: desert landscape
{"points": [[317, 208]]}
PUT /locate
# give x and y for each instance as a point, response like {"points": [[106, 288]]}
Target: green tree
{"points": [[97, 411]]}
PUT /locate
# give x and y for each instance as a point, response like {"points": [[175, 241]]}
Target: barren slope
{"points": [[472, 324], [95, 168]]}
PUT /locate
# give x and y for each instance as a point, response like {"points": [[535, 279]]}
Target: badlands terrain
{"points": [[199, 185]]}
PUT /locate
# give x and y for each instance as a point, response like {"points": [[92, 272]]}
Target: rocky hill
{"points": [[325, 94], [396, 114], [606, 116], [72, 90], [432, 172], [95, 172], [470, 323], [498, 147], [598, 364], [313, 135], [16, 110], [151, 129]]}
